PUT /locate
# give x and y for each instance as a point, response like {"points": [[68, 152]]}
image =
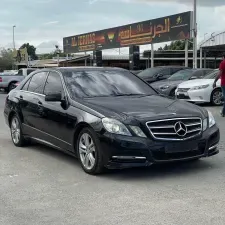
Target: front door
{"points": [[56, 123]]}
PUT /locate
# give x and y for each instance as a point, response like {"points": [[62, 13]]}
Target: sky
{"points": [[44, 23]]}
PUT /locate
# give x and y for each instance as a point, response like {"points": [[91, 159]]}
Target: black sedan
{"points": [[108, 118], [151, 75], [169, 86]]}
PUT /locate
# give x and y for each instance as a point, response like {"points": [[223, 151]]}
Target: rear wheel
{"points": [[89, 152], [11, 87], [16, 132], [172, 93], [216, 97]]}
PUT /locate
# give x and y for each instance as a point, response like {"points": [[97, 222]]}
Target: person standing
{"points": [[221, 75]]}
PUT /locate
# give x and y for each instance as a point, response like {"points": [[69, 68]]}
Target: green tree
{"points": [[178, 45], [31, 50], [6, 59], [53, 54]]}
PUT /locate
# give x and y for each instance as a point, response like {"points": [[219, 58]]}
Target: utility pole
{"points": [[195, 48], [14, 46]]}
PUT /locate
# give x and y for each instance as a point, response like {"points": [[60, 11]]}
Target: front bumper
{"points": [[198, 96], [123, 152]]}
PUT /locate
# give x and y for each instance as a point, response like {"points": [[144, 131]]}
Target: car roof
{"points": [[68, 69]]}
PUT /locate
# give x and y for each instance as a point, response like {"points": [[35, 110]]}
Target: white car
{"points": [[201, 90]]}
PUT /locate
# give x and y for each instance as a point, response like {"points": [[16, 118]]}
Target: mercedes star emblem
{"points": [[180, 129]]}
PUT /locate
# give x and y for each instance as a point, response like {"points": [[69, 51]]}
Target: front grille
{"points": [[183, 89], [169, 129]]}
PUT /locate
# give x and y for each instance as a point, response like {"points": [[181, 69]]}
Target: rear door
{"points": [[31, 98]]}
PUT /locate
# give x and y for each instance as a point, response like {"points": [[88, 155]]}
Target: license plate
{"points": [[184, 147]]}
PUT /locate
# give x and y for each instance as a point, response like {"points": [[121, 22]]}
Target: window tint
{"points": [[104, 83], [53, 83], [25, 86], [37, 82], [151, 72], [174, 70], [212, 75], [165, 71], [198, 74], [207, 71], [182, 75]]}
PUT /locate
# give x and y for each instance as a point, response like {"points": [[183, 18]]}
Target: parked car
{"points": [[135, 71], [151, 75], [8, 80], [201, 90], [107, 117], [168, 87]]}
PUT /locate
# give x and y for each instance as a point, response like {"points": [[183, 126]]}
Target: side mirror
{"points": [[193, 78], [53, 97]]}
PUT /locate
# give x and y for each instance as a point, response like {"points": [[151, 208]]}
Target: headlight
{"points": [[212, 121], [164, 87], [115, 127], [200, 87], [205, 124], [138, 131]]}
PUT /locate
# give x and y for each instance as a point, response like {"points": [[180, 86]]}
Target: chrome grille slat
{"points": [[165, 129]]}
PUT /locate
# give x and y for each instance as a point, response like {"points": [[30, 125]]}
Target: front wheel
{"points": [[216, 97], [16, 132], [89, 152]]}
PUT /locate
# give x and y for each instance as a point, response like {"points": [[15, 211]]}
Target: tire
{"points": [[216, 97], [172, 93], [16, 132], [10, 87], [91, 159]]}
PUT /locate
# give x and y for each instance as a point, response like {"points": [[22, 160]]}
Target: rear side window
{"points": [[37, 82], [174, 70], [165, 71], [53, 84]]}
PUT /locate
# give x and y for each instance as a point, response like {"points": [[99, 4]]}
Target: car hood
{"points": [[197, 82], [142, 108], [159, 84]]}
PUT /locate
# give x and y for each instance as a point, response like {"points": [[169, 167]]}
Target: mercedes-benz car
{"points": [[107, 118], [169, 86], [201, 90]]}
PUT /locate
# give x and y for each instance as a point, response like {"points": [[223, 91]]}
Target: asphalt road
{"points": [[39, 185]]}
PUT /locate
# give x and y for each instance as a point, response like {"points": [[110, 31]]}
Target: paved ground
{"points": [[39, 185]]}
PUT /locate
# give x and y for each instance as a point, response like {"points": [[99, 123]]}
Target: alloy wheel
{"points": [[87, 151], [15, 130], [217, 97]]}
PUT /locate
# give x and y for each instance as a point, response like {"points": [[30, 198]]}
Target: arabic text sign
{"points": [[170, 28]]}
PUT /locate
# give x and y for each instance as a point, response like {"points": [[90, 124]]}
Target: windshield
{"points": [[181, 75], [151, 72], [104, 83], [212, 75]]}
